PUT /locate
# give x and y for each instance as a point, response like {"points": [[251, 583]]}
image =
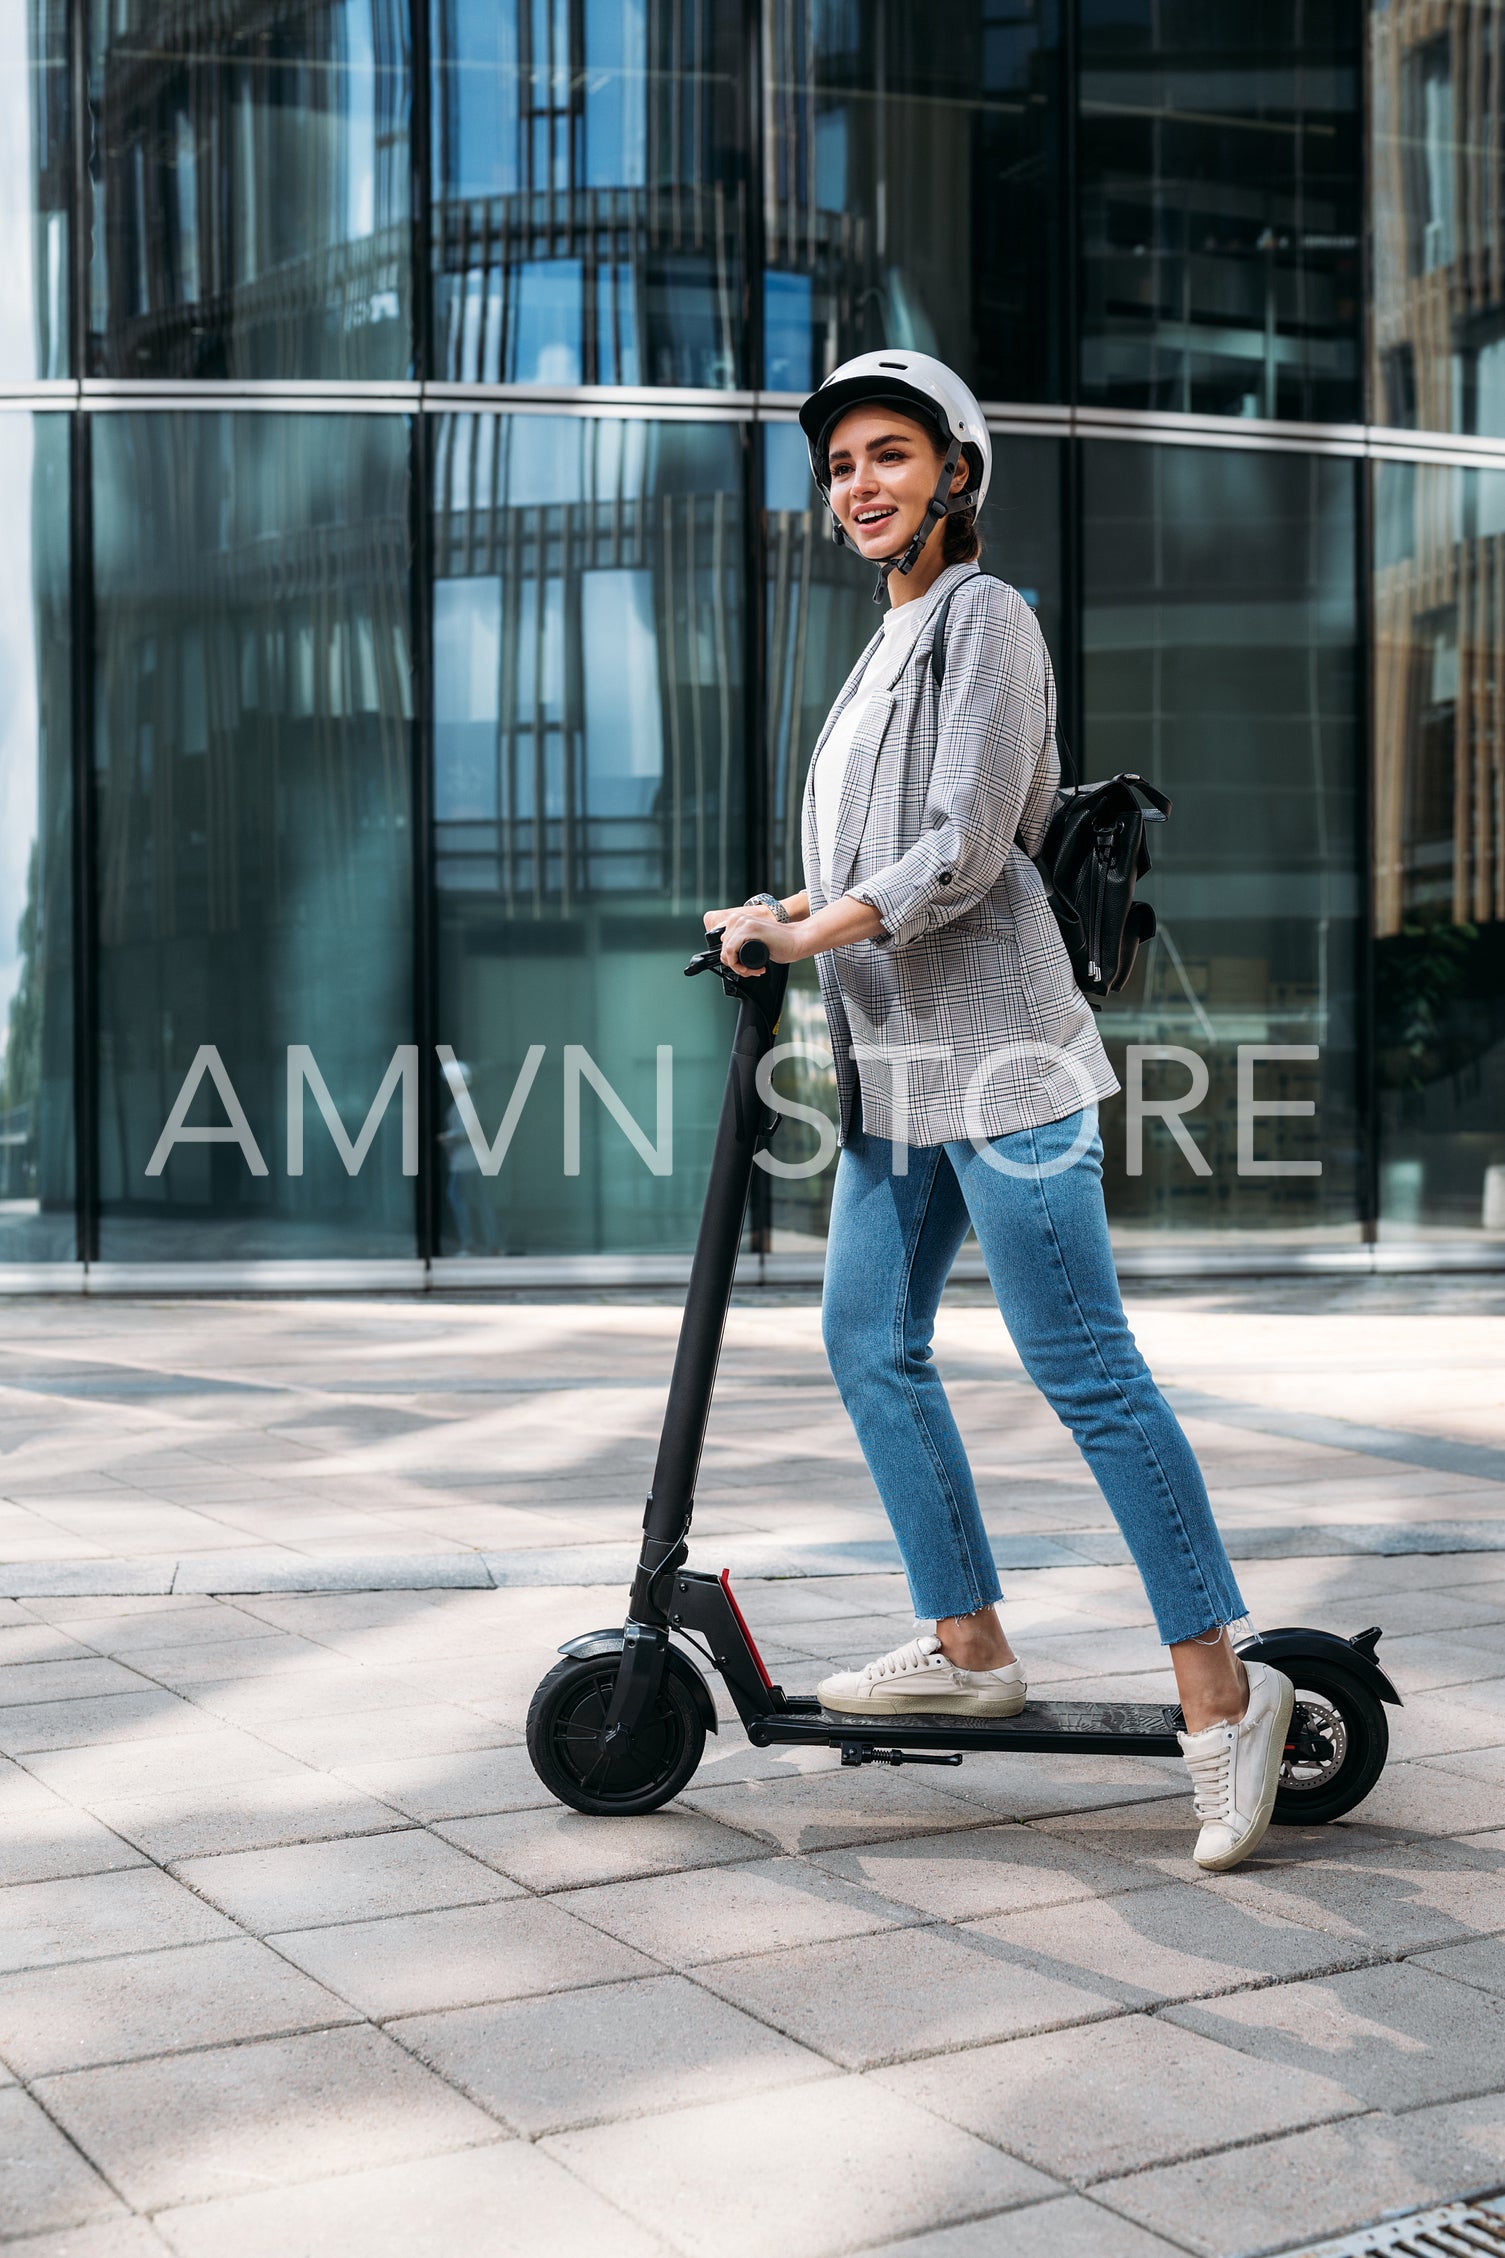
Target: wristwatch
{"points": [[769, 902]]}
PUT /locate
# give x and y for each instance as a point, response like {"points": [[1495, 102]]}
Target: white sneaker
{"points": [[919, 1677], [1235, 1771]]}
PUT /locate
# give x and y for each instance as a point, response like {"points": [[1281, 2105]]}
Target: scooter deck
{"points": [[1082, 1728]]}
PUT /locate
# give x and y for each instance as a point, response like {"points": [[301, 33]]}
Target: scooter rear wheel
{"points": [[564, 1724], [1336, 1748]]}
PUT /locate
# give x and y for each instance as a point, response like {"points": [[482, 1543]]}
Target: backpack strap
{"points": [[938, 670], [938, 643]]}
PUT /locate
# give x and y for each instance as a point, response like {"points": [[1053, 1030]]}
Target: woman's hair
{"points": [[961, 543]]}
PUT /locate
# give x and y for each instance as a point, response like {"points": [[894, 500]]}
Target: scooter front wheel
{"points": [[1336, 1744], [564, 1728]]}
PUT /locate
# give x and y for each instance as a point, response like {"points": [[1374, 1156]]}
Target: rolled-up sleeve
{"points": [[991, 733]]}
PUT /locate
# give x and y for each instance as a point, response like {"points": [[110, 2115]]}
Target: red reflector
{"points": [[741, 1620]]}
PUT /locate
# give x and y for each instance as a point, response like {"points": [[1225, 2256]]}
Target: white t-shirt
{"points": [[901, 624]]}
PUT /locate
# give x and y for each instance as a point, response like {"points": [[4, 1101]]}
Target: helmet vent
{"points": [[893, 364]]}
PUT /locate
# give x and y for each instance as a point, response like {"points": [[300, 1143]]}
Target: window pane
{"points": [[34, 189], [1439, 818], [253, 760], [911, 167], [589, 786], [251, 209], [820, 617], [1220, 644], [36, 950], [1439, 312], [589, 192], [1220, 207]]}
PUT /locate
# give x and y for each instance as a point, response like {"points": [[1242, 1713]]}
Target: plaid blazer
{"points": [[963, 1018]]}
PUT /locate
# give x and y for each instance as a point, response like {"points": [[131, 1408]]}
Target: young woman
{"points": [[969, 1069]]}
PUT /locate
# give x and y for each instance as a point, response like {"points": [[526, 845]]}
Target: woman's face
{"points": [[883, 470]]}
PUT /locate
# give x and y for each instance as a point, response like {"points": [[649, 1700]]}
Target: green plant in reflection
{"points": [[1438, 1001]]}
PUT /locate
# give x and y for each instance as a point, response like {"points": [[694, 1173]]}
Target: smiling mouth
{"points": [[867, 518]]}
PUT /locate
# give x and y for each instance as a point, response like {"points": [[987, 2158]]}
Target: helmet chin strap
{"points": [[938, 507]]}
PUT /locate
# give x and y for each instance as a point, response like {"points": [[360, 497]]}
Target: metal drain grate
{"points": [[1453, 2230]]}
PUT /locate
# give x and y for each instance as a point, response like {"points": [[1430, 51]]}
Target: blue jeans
{"points": [[1043, 1231]]}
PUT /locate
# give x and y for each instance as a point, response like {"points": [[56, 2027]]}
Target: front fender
{"points": [[1354, 1655], [592, 1643]]}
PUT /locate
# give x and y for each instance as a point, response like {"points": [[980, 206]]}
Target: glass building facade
{"points": [[416, 610]]}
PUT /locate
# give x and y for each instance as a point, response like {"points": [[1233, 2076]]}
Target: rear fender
{"points": [[592, 1643], [1355, 1655]]}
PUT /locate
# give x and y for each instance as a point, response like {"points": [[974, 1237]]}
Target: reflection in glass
{"points": [[253, 775], [251, 208], [36, 989], [1220, 208], [34, 189], [1220, 648], [1438, 324], [820, 617], [910, 189], [589, 191], [1439, 820], [589, 790]]}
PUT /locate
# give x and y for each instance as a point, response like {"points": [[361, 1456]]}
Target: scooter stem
{"points": [[745, 1124]]}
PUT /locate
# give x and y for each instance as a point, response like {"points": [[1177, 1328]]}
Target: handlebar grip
{"points": [[754, 955]]}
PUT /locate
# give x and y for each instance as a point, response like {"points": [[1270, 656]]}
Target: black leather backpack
{"points": [[1092, 857]]}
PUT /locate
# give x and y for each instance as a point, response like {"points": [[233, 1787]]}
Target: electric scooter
{"points": [[619, 1725]]}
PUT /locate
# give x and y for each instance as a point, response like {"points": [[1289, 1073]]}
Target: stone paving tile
{"points": [[23, 1640], [324, 1689], [483, 2203], [22, 1793], [186, 1668], [1481, 1963], [559, 1849], [175, 1627], [186, 2127], [686, 1919], [1390, 2038], [467, 1785], [130, 1771], [44, 2182], [825, 1810], [854, 2165], [987, 1870], [303, 1885], [427, 1729], [117, 2238], [1159, 1837], [1419, 1897], [1047, 1787], [1116, 2097], [286, 1807], [43, 1924], [1308, 2185], [1174, 1942], [1442, 1724], [149, 1715], [80, 1677], [1430, 1799], [1066, 2226], [874, 1999], [1474, 1764], [44, 1845], [617, 2050], [155, 2003], [464, 1956]]}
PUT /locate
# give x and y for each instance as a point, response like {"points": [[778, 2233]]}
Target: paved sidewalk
{"points": [[295, 1956]]}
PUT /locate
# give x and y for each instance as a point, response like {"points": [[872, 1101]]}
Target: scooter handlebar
{"points": [[753, 956]]}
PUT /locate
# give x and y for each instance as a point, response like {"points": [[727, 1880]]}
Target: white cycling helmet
{"points": [[926, 389]]}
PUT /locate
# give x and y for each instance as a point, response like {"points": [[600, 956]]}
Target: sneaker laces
{"points": [[917, 1655], [1211, 1770]]}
